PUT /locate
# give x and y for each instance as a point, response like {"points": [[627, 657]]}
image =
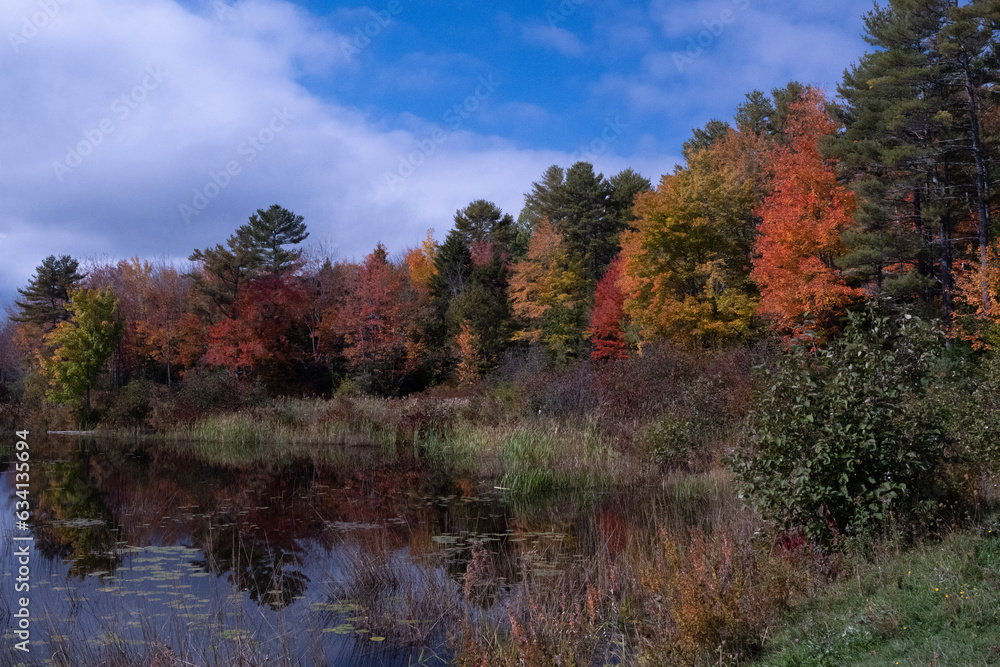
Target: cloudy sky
{"points": [[153, 127]]}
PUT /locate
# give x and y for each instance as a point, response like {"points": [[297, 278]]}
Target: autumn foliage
{"points": [[801, 224], [377, 323], [607, 339], [685, 266]]}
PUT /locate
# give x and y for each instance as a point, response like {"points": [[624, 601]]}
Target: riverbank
{"points": [[687, 574], [719, 586]]}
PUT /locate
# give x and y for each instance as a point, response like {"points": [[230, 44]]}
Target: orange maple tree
{"points": [[801, 223]]}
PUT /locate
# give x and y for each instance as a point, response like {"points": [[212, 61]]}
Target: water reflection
{"points": [[148, 551]]}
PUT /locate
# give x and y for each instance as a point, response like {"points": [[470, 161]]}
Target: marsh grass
{"points": [[528, 457]]}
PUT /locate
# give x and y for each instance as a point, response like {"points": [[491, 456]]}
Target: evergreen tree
{"points": [[267, 232], [44, 299], [469, 287], [225, 271], [755, 114], [912, 134], [624, 186], [714, 131], [784, 98], [970, 47], [766, 116], [547, 198], [589, 231]]}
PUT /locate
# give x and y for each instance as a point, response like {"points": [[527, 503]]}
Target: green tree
{"points": [[470, 283], [266, 234], [547, 198], [714, 131], [970, 48], [624, 186], [82, 345], [590, 212], [913, 147], [44, 299], [224, 272], [767, 116], [590, 233]]}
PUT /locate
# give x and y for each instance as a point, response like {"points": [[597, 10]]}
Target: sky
{"points": [[150, 128]]}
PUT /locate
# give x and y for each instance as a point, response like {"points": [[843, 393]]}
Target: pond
{"points": [[139, 551]]}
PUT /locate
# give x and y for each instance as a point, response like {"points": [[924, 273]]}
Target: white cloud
{"points": [[713, 58], [552, 37], [145, 104]]}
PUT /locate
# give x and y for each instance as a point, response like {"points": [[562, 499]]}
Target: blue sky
{"points": [[152, 127]]}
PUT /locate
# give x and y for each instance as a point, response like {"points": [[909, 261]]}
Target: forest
{"points": [[802, 318]]}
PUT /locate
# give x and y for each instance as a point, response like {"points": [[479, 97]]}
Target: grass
{"points": [[528, 457], [938, 604]]}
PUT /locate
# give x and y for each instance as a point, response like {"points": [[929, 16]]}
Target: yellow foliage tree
{"points": [[687, 264], [548, 291]]}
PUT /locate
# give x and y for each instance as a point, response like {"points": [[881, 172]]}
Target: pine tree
{"points": [[590, 233], [624, 186], [913, 146], [224, 272], [469, 287], [714, 131], [267, 232], [44, 299], [547, 198]]}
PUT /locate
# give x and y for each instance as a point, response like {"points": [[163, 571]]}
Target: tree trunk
{"points": [[978, 154]]}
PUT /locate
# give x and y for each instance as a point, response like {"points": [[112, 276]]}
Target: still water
{"points": [[135, 547]]}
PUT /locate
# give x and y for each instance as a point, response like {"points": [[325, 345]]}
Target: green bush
{"points": [[669, 440], [843, 437], [971, 400], [131, 405]]}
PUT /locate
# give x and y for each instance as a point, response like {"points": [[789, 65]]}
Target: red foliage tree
{"points": [[377, 321], [802, 220], [267, 337], [606, 336]]}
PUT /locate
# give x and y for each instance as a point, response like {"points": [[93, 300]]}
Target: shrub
{"points": [[218, 390], [131, 405], [843, 436], [669, 440], [971, 399]]}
